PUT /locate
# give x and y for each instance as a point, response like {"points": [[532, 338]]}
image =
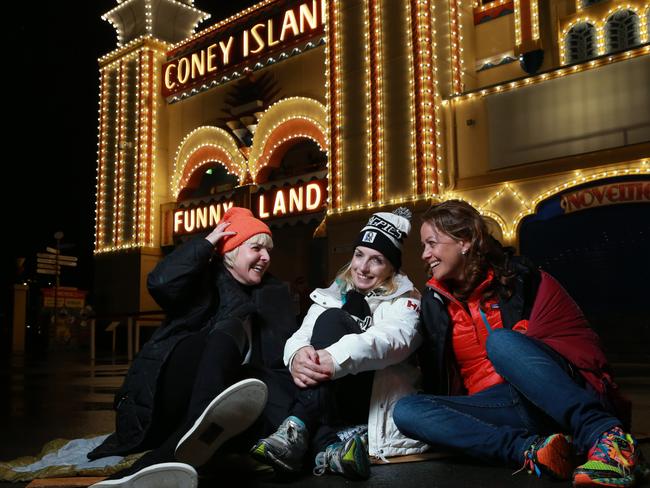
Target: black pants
{"points": [[333, 405], [199, 368]]}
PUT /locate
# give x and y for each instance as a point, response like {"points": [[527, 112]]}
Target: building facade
{"points": [[316, 113]]}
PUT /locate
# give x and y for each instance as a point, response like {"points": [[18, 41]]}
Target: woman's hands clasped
{"points": [[310, 367]]}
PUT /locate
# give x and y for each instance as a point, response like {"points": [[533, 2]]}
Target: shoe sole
{"points": [[230, 413], [165, 475], [557, 460], [584, 480]]}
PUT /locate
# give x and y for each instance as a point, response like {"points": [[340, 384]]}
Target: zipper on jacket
{"points": [[119, 402]]}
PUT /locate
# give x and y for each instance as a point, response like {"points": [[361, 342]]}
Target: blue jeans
{"points": [[500, 423]]}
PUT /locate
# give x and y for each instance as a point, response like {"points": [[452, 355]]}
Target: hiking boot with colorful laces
{"points": [[552, 455], [611, 462], [349, 458], [285, 449]]}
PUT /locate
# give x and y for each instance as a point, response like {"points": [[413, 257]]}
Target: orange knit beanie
{"points": [[245, 224]]}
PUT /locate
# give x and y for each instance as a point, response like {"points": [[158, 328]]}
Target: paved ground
{"points": [[64, 395]]}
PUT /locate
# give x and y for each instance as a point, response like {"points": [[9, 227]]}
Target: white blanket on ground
{"points": [[73, 454], [63, 457]]}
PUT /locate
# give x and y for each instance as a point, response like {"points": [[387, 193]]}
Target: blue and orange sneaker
{"points": [[612, 461], [552, 455]]}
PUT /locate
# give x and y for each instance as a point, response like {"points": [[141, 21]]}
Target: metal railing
{"points": [[133, 322]]}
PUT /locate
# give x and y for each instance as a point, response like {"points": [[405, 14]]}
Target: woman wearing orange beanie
{"points": [[202, 378]]}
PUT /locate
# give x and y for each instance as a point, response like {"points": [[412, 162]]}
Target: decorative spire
{"points": [[167, 20]]}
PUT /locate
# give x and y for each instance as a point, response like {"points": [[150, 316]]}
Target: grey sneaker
{"points": [[285, 448], [349, 458]]}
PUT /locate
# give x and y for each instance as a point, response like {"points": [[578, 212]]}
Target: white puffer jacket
{"points": [[385, 348]]}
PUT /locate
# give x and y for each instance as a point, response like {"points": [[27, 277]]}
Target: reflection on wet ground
{"points": [[65, 395], [58, 395]]}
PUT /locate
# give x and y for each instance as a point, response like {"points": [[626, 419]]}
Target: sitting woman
{"points": [[349, 358], [202, 378], [518, 376]]}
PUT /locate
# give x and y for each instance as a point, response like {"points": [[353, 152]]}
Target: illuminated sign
{"points": [[227, 47], [195, 219], [279, 202], [612, 194], [286, 201], [65, 296]]}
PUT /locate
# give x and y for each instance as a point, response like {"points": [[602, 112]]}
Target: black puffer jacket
{"points": [[195, 291]]}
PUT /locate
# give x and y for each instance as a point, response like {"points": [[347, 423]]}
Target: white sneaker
{"points": [[233, 411], [163, 475]]}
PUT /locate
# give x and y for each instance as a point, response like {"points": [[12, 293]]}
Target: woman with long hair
{"points": [[512, 372]]}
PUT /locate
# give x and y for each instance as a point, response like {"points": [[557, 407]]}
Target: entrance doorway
{"points": [[602, 257]]}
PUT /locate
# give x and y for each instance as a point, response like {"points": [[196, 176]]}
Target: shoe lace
{"points": [[288, 431], [321, 464], [529, 456], [324, 459], [291, 433]]}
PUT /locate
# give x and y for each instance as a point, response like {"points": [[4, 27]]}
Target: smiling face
{"points": [[369, 269], [251, 262], [442, 254]]}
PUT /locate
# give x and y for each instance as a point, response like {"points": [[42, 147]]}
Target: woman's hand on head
{"points": [[306, 369], [218, 233]]}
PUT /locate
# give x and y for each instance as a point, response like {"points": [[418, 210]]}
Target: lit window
{"points": [[581, 43], [622, 31]]}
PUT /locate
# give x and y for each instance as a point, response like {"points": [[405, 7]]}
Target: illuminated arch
{"points": [[622, 30], [510, 202], [283, 124], [578, 178], [581, 41], [200, 148]]}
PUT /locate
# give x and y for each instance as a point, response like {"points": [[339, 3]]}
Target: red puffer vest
{"points": [[469, 335]]}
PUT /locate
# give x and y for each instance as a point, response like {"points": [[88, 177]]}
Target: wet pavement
{"points": [[65, 395]]}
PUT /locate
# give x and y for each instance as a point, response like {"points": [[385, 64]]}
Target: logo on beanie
{"points": [[386, 227], [369, 236]]}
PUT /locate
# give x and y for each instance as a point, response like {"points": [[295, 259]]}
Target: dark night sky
{"points": [[51, 92]]}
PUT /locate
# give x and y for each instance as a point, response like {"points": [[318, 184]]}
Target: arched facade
{"points": [[507, 206], [201, 147], [283, 124], [280, 127], [622, 31], [581, 42], [406, 107], [621, 27]]}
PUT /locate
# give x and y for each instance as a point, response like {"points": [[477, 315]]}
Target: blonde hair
{"points": [[345, 281], [263, 240]]}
